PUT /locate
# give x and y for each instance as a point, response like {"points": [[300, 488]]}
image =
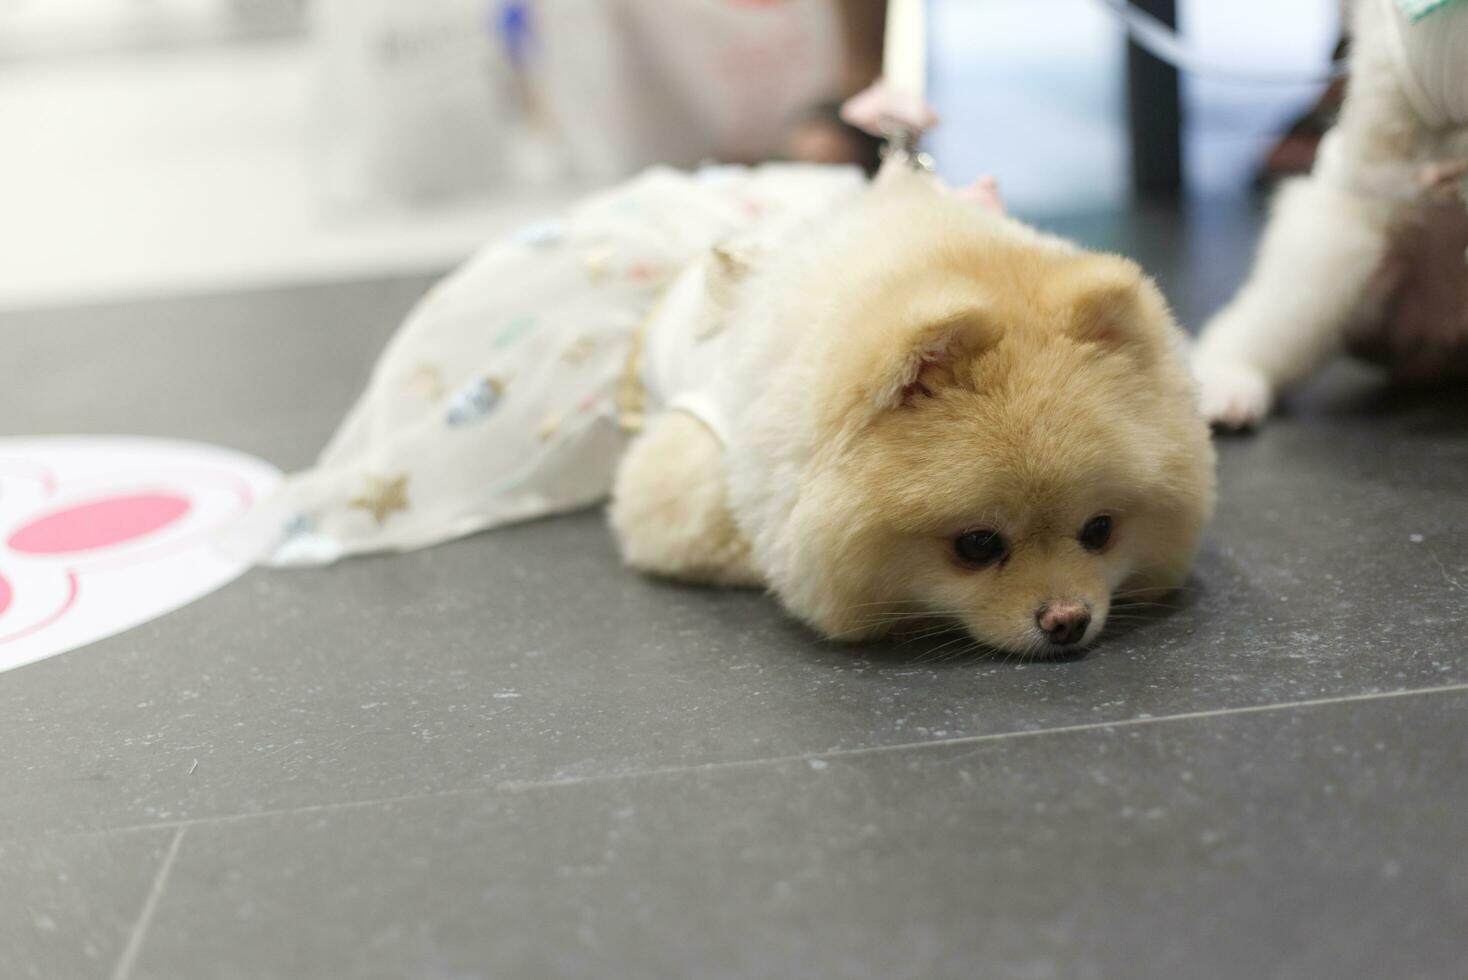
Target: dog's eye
{"points": [[979, 549], [1096, 532]]}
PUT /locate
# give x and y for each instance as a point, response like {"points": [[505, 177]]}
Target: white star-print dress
{"points": [[504, 395]]}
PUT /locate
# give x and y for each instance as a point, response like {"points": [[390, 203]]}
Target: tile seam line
{"points": [[520, 786], [129, 958], [1253, 709]]}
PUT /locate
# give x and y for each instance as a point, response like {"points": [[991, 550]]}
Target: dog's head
{"points": [[1007, 438]]}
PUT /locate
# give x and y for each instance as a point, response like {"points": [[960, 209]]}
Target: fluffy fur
{"points": [[911, 370], [1310, 288]]}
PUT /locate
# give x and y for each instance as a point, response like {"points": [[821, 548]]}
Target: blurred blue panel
{"points": [[1232, 125], [1031, 91]]}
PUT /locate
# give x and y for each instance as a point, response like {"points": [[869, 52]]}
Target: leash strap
{"points": [[1162, 42], [905, 70]]}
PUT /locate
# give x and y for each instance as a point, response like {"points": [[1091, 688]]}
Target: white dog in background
{"points": [[1401, 139]]}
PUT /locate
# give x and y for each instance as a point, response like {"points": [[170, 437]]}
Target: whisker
{"points": [[960, 653], [895, 617], [886, 602], [933, 655], [1154, 590], [936, 629]]}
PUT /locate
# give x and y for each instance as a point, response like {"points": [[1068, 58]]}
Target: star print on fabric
{"points": [[429, 380], [598, 262], [385, 498], [577, 352]]}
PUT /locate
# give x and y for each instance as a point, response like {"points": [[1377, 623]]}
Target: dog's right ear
{"points": [[934, 342], [941, 345], [905, 346]]}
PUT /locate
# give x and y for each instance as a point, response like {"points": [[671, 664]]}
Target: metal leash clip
{"points": [[900, 146]]}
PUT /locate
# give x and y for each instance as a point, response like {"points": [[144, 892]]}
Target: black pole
{"points": [[1154, 113]]}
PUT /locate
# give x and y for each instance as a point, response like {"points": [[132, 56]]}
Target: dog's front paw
{"points": [[1232, 394]]}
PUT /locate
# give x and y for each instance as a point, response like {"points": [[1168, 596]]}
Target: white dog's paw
{"points": [[1232, 394]]}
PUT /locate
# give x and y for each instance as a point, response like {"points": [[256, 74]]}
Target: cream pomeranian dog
{"points": [[929, 409], [880, 401], [1401, 139]]}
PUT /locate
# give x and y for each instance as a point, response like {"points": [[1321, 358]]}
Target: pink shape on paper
{"points": [[150, 509], [72, 588], [98, 524]]}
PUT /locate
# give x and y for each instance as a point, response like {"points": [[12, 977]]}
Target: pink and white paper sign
{"points": [[99, 534]]}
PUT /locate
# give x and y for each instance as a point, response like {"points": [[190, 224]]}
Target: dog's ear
{"points": [[903, 343], [942, 335], [725, 269], [729, 264], [1106, 300]]}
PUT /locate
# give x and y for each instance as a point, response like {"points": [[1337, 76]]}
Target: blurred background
{"points": [[163, 146]]}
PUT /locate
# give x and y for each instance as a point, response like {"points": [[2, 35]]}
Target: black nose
{"points": [[1063, 622]]}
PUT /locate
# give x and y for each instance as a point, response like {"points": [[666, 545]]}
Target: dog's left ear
{"points": [[1106, 300], [729, 264], [725, 268]]}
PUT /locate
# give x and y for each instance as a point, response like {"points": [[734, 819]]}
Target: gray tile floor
{"points": [[508, 757]]}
